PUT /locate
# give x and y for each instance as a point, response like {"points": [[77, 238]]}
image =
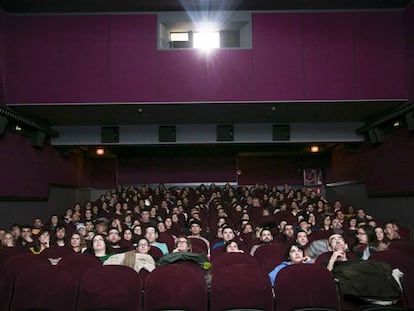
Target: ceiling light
{"points": [[100, 151], [314, 149]]}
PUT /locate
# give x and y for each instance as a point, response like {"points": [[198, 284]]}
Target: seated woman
{"points": [[136, 259], [183, 252], [8, 240], [364, 246], [100, 248], [232, 247], [78, 243], [42, 242], [295, 255]]}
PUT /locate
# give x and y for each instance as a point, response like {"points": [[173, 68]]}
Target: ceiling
{"points": [[206, 113], [77, 6]]}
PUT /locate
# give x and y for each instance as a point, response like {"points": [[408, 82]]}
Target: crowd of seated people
{"points": [[138, 227]]}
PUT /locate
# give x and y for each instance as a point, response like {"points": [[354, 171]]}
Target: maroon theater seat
{"points": [[6, 288], [175, 287], [78, 264], [303, 286], [110, 287], [168, 239], [395, 258], [240, 286], [155, 252], [228, 259], [198, 246], [44, 287], [269, 256], [56, 252]]}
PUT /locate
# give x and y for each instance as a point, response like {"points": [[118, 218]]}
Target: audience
{"points": [[123, 224]]}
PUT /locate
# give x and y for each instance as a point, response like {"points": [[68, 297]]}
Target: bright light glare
{"points": [[206, 40]]}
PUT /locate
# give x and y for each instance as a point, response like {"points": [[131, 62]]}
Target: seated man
{"points": [[195, 231], [265, 237], [375, 282], [228, 234], [151, 234], [114, 240]]}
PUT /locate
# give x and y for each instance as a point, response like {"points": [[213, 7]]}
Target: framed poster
{"points": [[312, 176]]}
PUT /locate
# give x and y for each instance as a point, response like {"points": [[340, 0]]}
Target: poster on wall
{"points": [[312, 176]]}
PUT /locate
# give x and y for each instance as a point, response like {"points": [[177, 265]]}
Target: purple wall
{"points": [[182, 169], [386, 168], [295, 56], [28, 172], [3, 36], [409, 37]]}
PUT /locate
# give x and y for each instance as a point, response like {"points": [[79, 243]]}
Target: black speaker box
{"points": [[225, 132], [3, 125], [375, 136], [110, 134], [281, 132], [38, 139], [167, 133], [409, 119]]}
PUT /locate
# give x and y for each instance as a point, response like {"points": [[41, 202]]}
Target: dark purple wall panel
{"points": [[83, 62], [329, 56], [409, 38], [230, 73], [32, 59], [176, 169], [278, 56], [132, 58], [28, 172], [182, 75], [3, 61], [380, 55]]}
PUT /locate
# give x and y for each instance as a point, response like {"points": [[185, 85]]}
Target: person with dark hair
{"points": [[151, 234], [77, 242], [59, 237], [295, 254], [365, 237], [232, 247], [42, 242], [265, 238], [100, 248], [16, 230], [25, 238], [114, 240], [182, 244], [228, 234], [302, 238], [136, 259], [196, 230]]}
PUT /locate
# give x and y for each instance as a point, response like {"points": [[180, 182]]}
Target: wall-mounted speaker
{"points": [[409, 119], [3, 125], [110, 134], [281, 132], [167, 134], [225, 132], [38, 139], [375, 136]]}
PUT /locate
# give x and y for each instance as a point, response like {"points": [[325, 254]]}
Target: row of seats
{"points": [[80, 282]]}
